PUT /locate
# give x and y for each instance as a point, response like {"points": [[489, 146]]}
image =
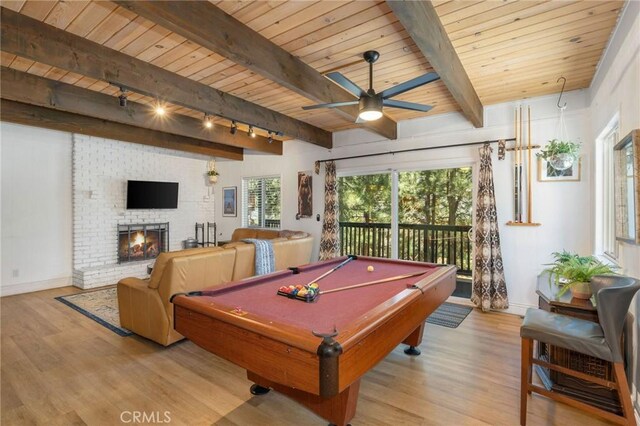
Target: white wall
{"points": [[36, 208], [616, 90], [561, 207]]}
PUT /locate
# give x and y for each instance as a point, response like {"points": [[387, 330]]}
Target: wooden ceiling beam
{"points": [[35, 40], [32, 115], [422, 23], [210, 27], [28, 88]]}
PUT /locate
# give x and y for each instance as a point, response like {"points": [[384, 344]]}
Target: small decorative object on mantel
{"points": [[572, 272], [519, 149], [211, 172]]}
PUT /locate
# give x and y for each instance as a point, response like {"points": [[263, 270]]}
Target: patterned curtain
{"points": [[329, 244], [489, 287]]}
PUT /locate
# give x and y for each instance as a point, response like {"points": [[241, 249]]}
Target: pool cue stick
{"points": [[520, 157], [515, 168], [384, 280], [331, 271], [529, 220]]}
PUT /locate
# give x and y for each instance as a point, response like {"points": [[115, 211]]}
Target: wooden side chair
{"points": [[613, 295]]}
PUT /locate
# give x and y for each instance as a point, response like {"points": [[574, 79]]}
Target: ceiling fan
{"points": [[370, 102]]}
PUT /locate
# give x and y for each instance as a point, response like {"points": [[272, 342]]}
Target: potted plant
{"points": [[560, 154], [574, 272], [213, 175]]}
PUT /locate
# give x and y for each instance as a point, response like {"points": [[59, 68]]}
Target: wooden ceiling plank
{"points": [[175, 54], [525, 39], [31, 115], [116, 21], [37, 9], [210, 27], [476, 12], [422, 23], [559, 53], [538, 22], [505, 14], [26, 88], [14, 5], [301, 18], [448, 7], [93, 15], [6, 58], [35, 40], [21, 64], [325, 20], [63, 13], [276, 15], [538, 43], [129, 33]]}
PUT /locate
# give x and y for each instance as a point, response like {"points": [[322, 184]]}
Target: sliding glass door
{"points": [[365, 214], [421, 215]]}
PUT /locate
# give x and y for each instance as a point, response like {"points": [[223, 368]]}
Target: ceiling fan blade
{"points": [[411, 84], [406, 105], [331, 105], [346, 83]]}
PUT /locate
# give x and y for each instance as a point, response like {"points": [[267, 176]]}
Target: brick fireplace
{"points": [[101, 168]]}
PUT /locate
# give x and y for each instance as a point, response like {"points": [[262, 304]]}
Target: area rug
{"points": [[449, 315], [99, 305]]}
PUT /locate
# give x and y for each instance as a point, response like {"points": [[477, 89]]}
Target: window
{"points": [[605, 211], [261, 202]]}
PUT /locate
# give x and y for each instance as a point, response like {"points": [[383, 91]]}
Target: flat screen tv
{"points": [[152, 195]]}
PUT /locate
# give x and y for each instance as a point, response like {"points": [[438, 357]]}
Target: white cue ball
{"points": [[370, 268]]}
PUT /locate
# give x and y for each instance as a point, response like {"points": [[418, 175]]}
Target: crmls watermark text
{"points": [[145, 417]]}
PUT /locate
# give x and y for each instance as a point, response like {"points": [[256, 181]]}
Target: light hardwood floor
{"points": [[60, 367]]}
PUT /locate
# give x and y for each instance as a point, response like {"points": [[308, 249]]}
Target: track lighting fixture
{"points": [[208, 121], [122, 98], [251, 132], [234, 127]]}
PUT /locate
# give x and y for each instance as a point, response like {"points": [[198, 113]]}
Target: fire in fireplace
{"points": [[142, 241]]}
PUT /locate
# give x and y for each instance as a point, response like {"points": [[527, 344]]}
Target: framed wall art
{"points": [[626, 188], [230, 201], [546, 173], [305, 195]]}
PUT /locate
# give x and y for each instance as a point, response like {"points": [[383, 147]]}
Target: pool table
{"points": [[315, 353]]}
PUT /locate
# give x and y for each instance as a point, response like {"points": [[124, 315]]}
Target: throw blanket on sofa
{"points": [[265, 257]]}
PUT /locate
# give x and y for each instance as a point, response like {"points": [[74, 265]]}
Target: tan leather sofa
{"points": [[144, 304]]}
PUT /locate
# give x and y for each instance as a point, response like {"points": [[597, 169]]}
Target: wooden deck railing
{"points": [[426, 243]]}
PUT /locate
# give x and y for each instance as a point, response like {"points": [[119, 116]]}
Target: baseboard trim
{"points": [[13, 289]]}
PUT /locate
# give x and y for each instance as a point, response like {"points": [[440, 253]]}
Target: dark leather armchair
{"points": [[613, 295]]}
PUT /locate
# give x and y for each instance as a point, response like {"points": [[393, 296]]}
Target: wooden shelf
{"points": [[511, 223]]}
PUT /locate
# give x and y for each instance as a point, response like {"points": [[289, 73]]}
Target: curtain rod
{"points": [[415, 149]]}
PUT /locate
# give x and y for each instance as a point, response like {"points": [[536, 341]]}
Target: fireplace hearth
{"points": [[142, 241]]}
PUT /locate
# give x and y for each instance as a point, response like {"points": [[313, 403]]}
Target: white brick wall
{"points": [[101, 168]]}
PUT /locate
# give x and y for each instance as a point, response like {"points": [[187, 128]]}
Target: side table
{"points": [[591, 393]]}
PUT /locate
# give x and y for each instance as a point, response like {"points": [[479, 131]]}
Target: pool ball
{"points": [[370, 268]]}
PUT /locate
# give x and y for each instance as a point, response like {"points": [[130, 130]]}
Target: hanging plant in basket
{"points": [[560, 154], [213, 176]]}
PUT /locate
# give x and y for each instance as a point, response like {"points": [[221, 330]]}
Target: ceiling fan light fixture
{"points": [[370, 108]]}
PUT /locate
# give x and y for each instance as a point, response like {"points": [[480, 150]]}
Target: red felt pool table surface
{"points": [[258, 296]]}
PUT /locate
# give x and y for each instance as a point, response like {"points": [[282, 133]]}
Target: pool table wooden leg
{"points": [[338, 409], [414, 340]]}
